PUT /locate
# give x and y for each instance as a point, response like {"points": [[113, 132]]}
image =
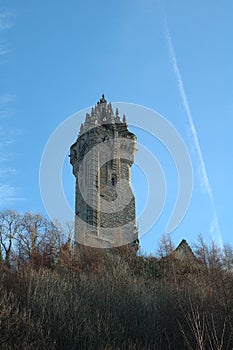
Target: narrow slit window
{"points": [[113, 180]]}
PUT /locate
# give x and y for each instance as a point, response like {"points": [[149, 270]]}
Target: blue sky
{"points": [[174, 57]]}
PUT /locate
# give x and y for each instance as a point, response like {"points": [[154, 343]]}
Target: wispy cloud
{"points": [[7, 98], [5, 101], [8, 192], [5, 20], [5, 23], [204, 180], [8, 195], [3, 51], [6, 172]]}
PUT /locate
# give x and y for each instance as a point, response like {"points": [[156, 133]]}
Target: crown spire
{"points": [[102, 100]]}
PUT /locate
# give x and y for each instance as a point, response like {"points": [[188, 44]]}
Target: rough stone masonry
{"points": [[102, 157]]}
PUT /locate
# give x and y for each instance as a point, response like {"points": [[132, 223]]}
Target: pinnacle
{"points": [[102, 100], [102, 113]]}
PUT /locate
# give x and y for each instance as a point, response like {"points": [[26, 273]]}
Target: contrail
{"points": [[214, 229]]}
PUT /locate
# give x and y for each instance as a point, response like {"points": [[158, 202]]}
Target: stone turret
{"points": [[102, 158]]}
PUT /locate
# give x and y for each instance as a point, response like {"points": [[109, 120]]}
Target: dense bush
{"points": [[52, 299], [128, 303]]}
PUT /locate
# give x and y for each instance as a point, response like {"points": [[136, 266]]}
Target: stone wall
{"points": [[101, 158]]}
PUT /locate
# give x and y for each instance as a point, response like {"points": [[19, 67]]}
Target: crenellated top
{"points": [[101, 114]]}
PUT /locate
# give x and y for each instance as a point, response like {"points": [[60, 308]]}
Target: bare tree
{"points": [[202, 251], [166, 246], [39, 240], [215, 256], [210, 256], [228, 257], [10, 226]]}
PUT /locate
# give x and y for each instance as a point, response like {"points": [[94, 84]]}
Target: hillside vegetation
{"points": [[50, 299]]}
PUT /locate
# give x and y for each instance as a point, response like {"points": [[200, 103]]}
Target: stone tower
{"points": [[102, 158]]}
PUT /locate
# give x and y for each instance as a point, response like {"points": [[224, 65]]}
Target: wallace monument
{"points": [[102, 157]]}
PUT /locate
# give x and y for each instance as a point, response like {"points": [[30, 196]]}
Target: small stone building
{"points": [[184, 253], [102, 157]]}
